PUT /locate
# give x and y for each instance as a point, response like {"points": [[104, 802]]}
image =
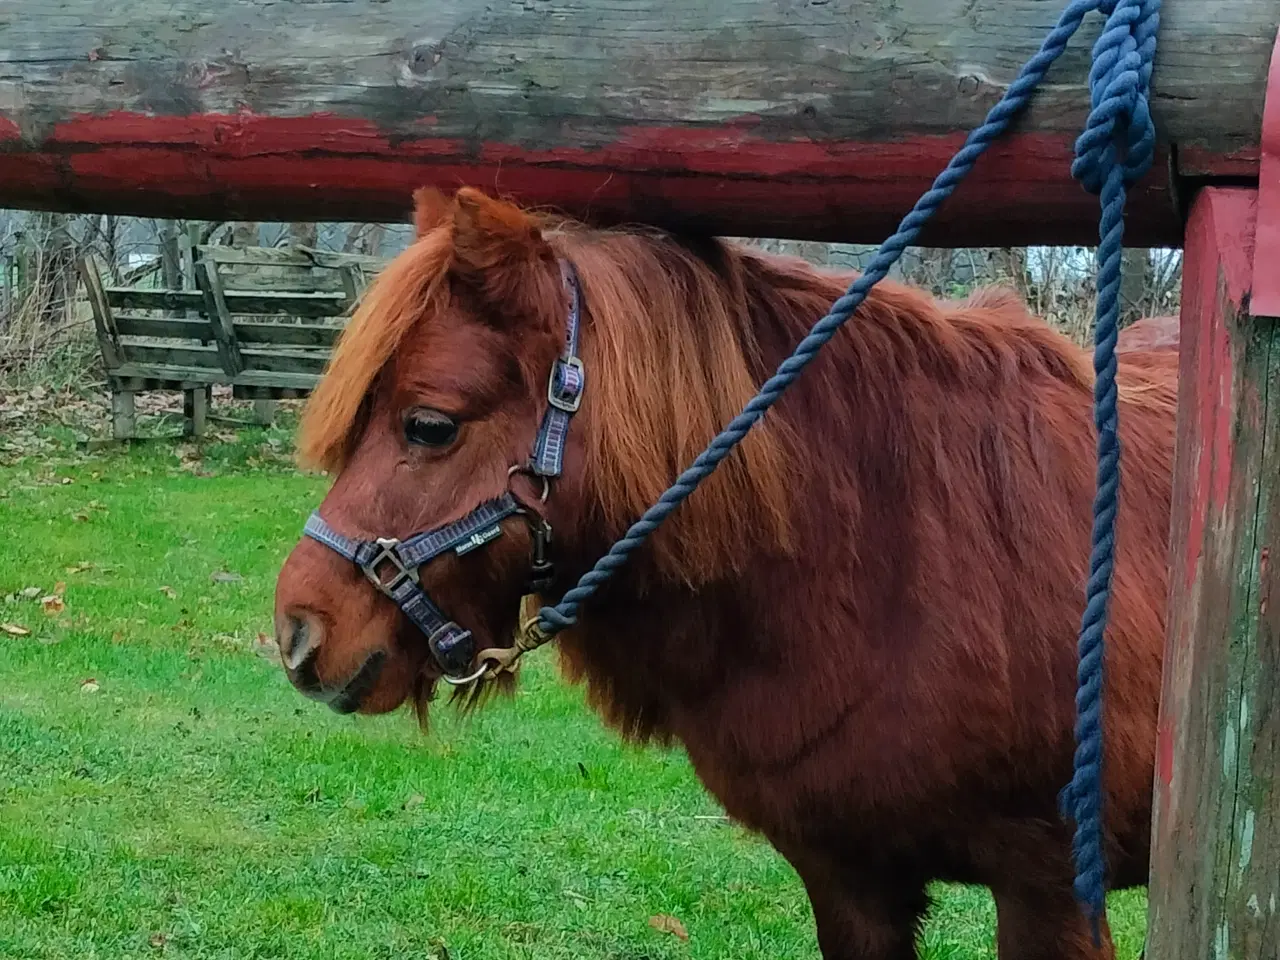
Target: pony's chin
{"points": [[407, 679], [386, 698]]}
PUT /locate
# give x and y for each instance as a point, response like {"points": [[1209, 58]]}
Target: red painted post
{"points": [[1215, 858], [1215, 866], [822, 121]]}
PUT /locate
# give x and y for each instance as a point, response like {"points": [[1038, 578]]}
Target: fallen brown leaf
{"points": [[169, 592], [52, 605], [89, 686], [416, 800], [14, 630], [225, 576], [157, 940], [265, 646], [30, 593], [664, 923], [60, 589], [80, 567]]}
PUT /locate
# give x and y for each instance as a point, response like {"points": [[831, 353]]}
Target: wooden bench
{"points": [[236, 329]]}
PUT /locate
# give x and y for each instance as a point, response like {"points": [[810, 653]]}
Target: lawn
{"points": [[164, 792]]}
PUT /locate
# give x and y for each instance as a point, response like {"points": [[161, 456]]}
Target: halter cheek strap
{"points": [[392, 565]]}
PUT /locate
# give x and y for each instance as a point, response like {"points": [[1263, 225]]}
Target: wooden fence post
{"points": [[1215, 864]]}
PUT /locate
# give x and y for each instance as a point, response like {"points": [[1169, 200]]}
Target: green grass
{"points": [[193, 805]]}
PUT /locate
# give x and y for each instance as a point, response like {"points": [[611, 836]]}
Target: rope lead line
{"points": [[1115, 150]]}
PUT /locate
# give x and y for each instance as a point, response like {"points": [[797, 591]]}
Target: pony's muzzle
{"points": [[299, 636]]}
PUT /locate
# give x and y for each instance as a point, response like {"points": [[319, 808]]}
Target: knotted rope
{"points": [[1115, 150]]}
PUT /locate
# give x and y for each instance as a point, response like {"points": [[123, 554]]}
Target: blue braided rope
{"points": [[1116, 149], [1120, 121]]}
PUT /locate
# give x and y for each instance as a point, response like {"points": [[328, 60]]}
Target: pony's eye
{"points": [[429, 428]]}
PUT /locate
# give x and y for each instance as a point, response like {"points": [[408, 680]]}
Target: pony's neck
{"points": [[722, 590], [678, 338]]}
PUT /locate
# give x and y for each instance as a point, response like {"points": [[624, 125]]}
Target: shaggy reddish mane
{"points": [[671, 337], [670, 363], [411, 284]]}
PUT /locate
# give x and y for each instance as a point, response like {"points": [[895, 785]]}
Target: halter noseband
{"points": [[453, 646]]}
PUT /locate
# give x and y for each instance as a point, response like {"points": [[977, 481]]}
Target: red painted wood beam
{"points": [[727, 180], [808, 120]]}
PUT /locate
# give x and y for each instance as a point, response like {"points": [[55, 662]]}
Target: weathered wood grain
{"points": [[261, 361], [249, 384], [290, 303], [219, 317], [793, 118], [277, 334], [1215, 867], [103, 323]]}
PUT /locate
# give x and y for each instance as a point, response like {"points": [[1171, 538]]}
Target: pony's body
{"points": [[862, 628]]}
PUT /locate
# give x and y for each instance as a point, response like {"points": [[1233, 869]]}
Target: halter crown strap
{"points": [[564, 388]]}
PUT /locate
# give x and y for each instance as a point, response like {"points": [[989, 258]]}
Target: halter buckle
{"points": [[554, 398], [389, 551]]}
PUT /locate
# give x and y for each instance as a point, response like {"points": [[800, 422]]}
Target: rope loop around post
{"points": [[1114, 151]]}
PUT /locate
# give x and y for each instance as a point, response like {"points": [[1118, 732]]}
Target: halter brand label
{"points": [[477, 539]]}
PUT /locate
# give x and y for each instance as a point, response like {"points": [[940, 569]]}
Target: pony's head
{"points": [[474, 467]]}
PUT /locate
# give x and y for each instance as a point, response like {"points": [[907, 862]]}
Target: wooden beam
{"points": [[195, 411], [291, 303], [219, 317], [823, 120], [104, 326], [1215, 866], [247, 332]]}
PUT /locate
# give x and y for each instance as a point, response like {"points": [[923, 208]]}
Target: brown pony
{"points": [[1149, 333], [861, 628]]}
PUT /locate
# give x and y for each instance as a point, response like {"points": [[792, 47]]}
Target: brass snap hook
{"points": [[528, 636]]}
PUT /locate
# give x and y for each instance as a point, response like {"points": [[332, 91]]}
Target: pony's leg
{"points": [[867, 918], [1039, 924]]}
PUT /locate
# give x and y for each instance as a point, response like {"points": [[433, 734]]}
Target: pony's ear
{"points": [[493, 236], [431, 208]]}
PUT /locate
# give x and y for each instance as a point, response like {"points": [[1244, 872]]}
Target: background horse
{"points": [[861, 628], [1149, 333]]}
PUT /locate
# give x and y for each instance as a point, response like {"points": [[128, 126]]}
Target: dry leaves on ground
{"points": [[52, 605], [265, 646], [89, 686], [14, 630], [664, 923]]}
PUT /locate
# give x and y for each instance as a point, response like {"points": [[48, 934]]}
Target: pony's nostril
{"points": [[297, 636]]}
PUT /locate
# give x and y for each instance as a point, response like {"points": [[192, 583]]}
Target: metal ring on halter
{"points": [[546, 484], [479, 672]]}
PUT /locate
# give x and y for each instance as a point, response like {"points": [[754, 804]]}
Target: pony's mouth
{"points": [[345, 698]]}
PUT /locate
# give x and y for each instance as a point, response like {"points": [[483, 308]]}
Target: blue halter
{"points": [[452, 645]]}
